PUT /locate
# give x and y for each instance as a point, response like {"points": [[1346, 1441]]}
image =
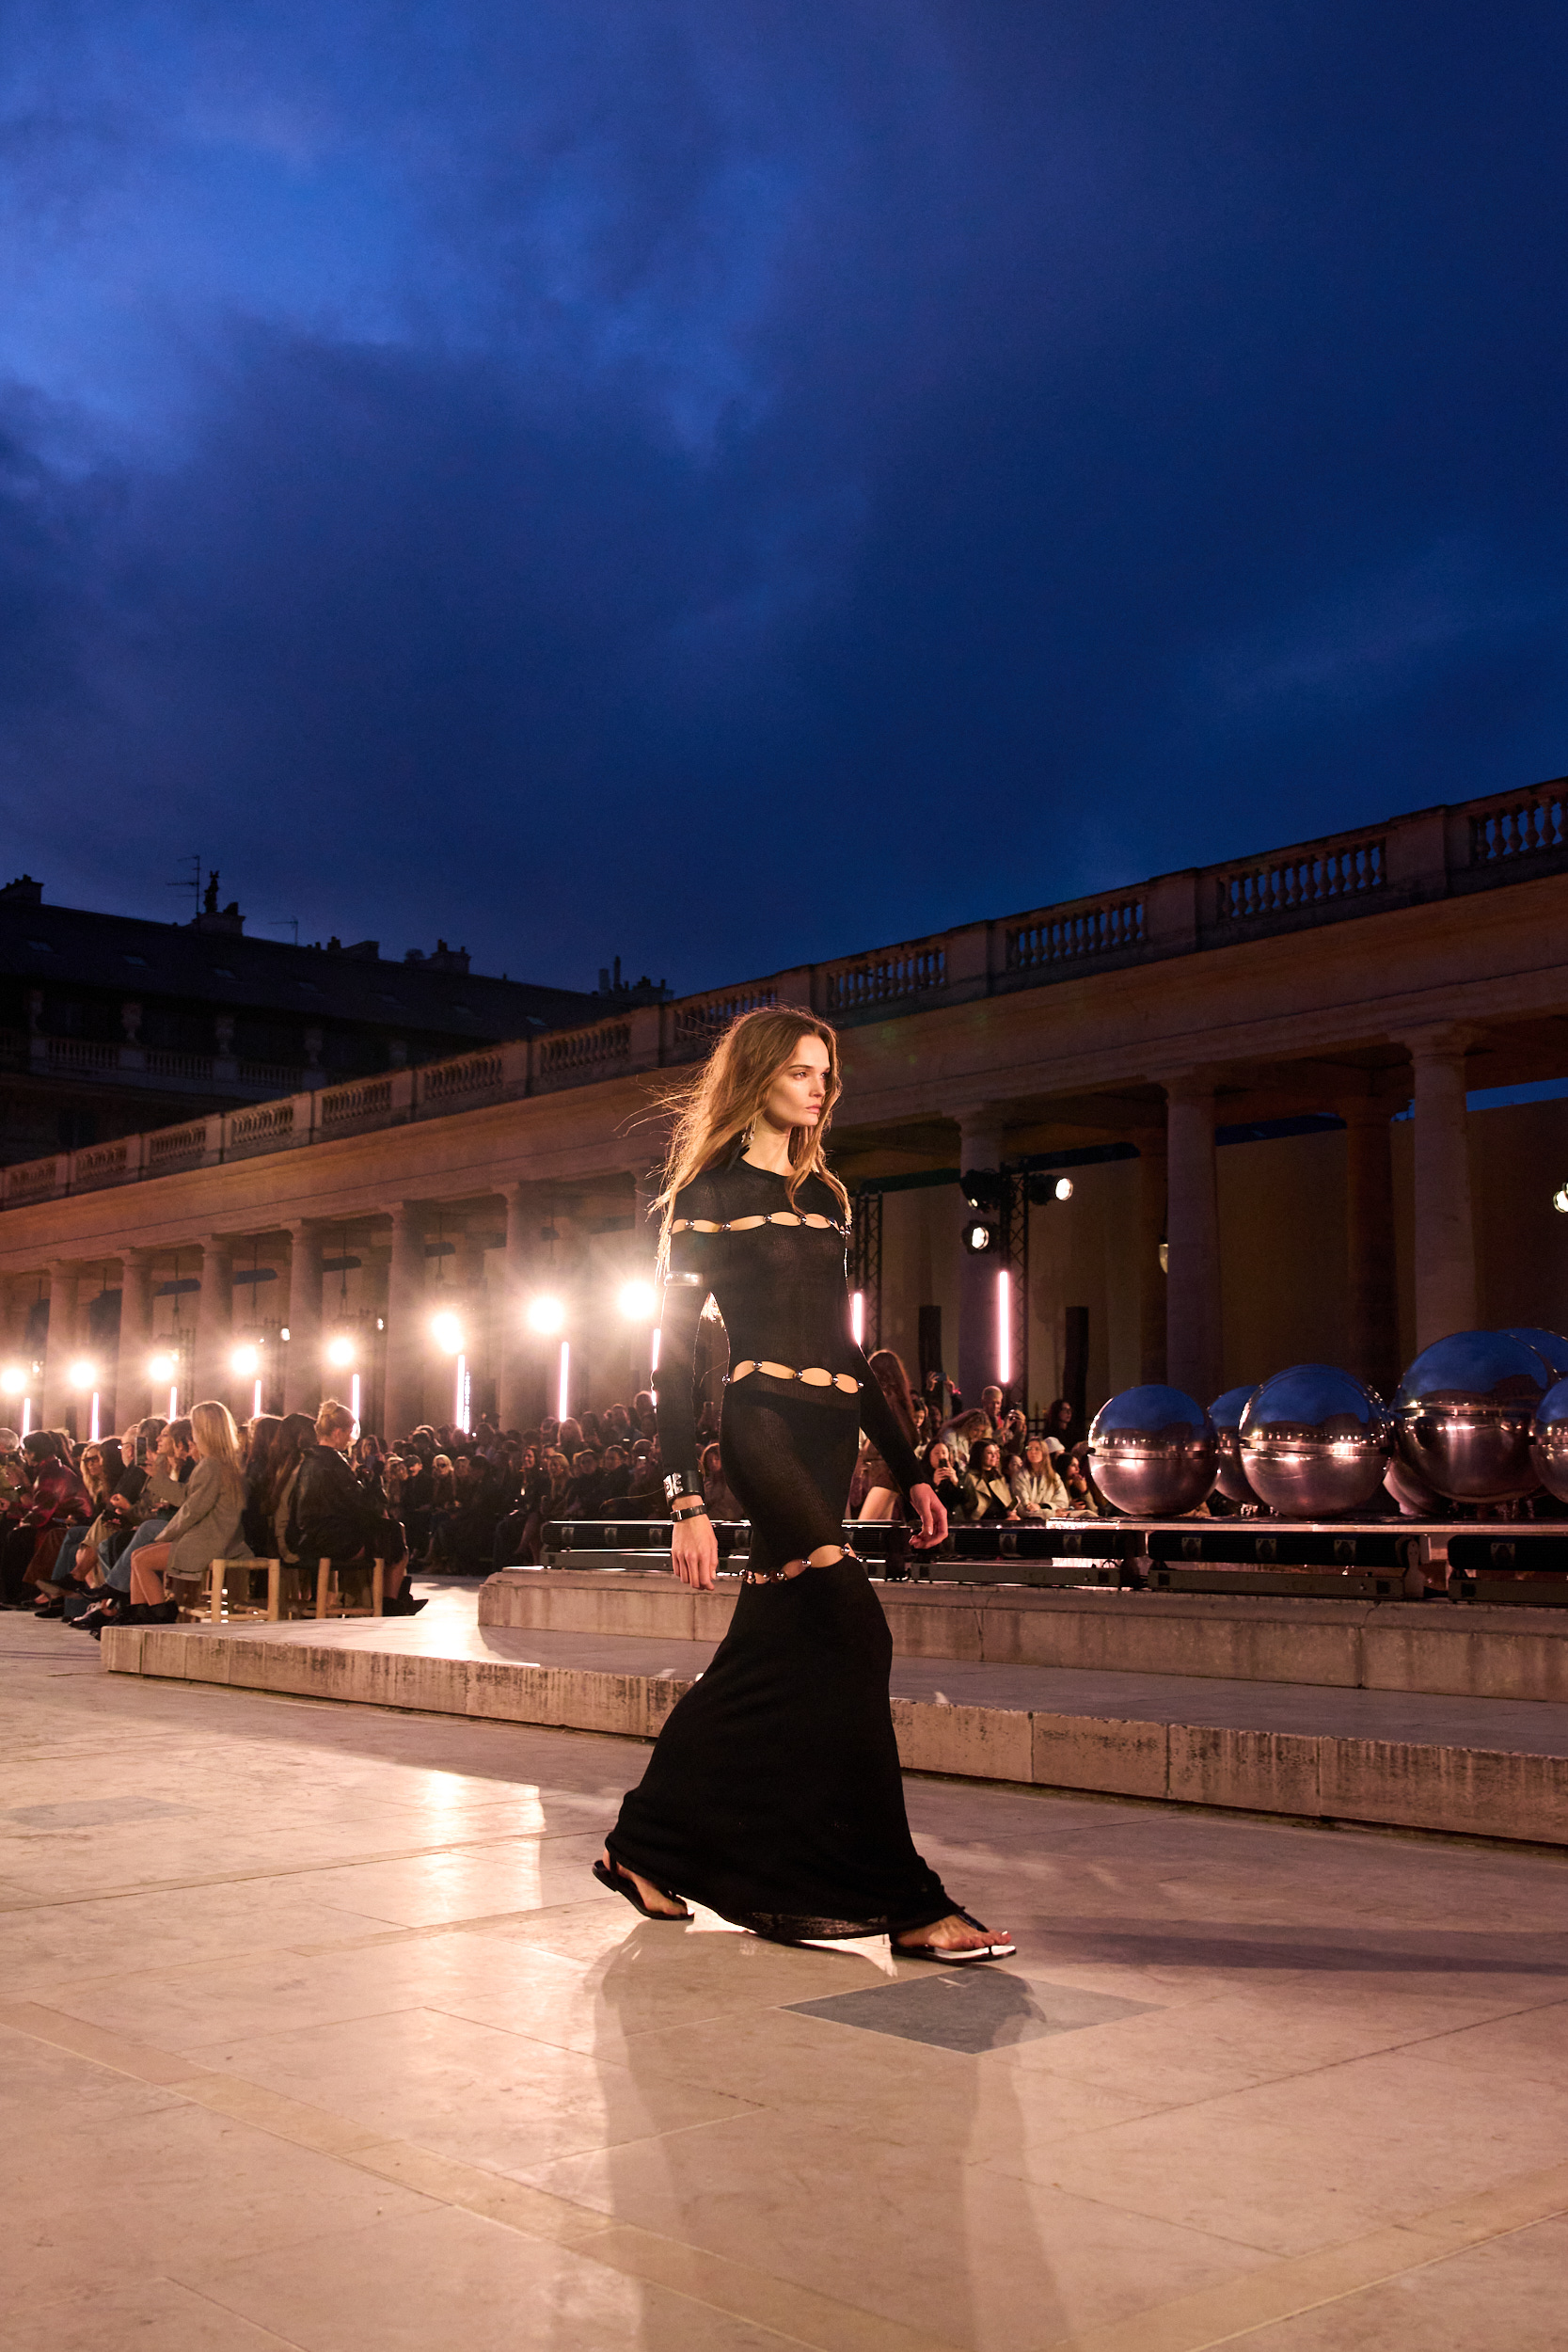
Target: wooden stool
{"points": [[203, 1599], [329, 1589]]}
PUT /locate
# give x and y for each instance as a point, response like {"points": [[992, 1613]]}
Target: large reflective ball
{"points": [[1416, 1499], [1464, 1414], [1315, 1442], [1152, 1452], [1550, 1346], [1548, 1451], [1225, 1413]]}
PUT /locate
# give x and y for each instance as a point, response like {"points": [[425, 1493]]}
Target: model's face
{"points": [[799, 1091]]}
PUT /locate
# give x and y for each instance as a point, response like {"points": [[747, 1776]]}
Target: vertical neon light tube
{"points": [[256, 1402], [353, 1400], [174, 1404], [93, 1432], [27, 1416], [1004, 1327], [857, 1317], [460, 1400], [654, 1351], [564, 1395]]}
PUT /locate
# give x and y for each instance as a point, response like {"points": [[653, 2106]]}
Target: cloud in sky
{"points": [[725, 484]]}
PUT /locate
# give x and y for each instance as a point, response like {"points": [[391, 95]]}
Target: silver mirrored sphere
{"points": [[1416, 1499], [1315, 1442], [1550, 1346], [1465, 1412], [1225, 1413], [1548, 1451], [1152, 1452]]}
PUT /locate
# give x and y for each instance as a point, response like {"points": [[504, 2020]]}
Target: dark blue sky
{"points": [[727, 484]]}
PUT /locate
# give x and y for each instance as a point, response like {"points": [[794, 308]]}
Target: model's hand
{"points": [[933, 1518], [694, 1549]]}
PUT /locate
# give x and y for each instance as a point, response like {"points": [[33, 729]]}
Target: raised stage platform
{"points": [[1331, 1746]]}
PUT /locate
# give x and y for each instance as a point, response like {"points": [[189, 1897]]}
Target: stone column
{"points": [[1445, 1243], [1151, 1274], [303, 1370], [60, 1349], [519, 1362], [215, 1321], [407, 1346], [1194, 1357], [131, 1384], [980, 1149], [1371, 1310]]}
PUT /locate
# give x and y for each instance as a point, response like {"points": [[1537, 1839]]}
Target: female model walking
{"points": [[773, 1795]]}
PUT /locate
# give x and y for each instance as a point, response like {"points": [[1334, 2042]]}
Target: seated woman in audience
{"points": [[945, 1482], [335, 1519], [1037, 1491], [261, 1445], [98, 1469], [987, 1494], [206, 1527], [969, 1430], [55, 1499]]}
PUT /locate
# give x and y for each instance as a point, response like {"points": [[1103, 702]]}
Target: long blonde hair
{"points": [[728, 1094], [213, 1434]]}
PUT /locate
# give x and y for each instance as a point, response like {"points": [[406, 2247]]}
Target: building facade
{"points": [[1302, 1107]]}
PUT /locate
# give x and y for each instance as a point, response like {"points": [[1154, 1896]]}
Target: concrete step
{"points": [[1432, 1645], [1492, 1768]]}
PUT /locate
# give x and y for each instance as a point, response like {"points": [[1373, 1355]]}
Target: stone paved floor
{"points": [[315, 2032]]}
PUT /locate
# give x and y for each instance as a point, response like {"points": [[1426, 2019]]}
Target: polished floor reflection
{"points": [[315, 2032]]}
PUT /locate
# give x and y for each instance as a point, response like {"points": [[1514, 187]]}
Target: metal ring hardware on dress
{"points": [[781, 1576], [749, 1224], [814, 1375]]}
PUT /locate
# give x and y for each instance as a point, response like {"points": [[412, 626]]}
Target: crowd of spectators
{"points": [[110, 1530]]}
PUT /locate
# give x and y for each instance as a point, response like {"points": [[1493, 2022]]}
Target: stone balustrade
{"points": [[1434, 853]]}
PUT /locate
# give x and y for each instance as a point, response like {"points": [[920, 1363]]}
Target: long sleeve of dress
{"points": [[881, 1425], [686, 1291]]}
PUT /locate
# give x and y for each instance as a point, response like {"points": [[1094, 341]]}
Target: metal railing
{"points": [[1482, 843]]}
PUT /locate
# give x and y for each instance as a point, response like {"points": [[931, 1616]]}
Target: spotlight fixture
{"points": [[246, 1362], [979, 1235], [162, 1368], [637, 1301], [339, 1352], [448, 1334], [544, 1313], [82, 1375], [1559, 1200], [1063, 1188]]}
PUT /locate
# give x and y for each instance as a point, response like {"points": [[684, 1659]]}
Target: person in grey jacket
{"points": [[206, 1527]]}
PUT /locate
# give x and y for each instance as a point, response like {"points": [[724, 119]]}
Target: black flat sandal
{"points": [[948, 1958], [621, 1882]]}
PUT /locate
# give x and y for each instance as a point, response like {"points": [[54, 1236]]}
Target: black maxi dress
{"points": [[773, 1795]]}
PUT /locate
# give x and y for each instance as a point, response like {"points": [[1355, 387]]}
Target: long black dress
{"points": [[773, 1795]]}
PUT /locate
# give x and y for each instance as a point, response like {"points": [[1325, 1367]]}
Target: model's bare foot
{"points": [[654, 1897], [954, 1934]]}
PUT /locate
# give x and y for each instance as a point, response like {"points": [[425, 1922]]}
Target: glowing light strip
{"points": [[1004, 1327], [256, 1402], [857, 1317], [92, 1433], [460, 1402], [27, 1416], [564, 1395], [174, 1404], [654, 1365], [353, 1400]]}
